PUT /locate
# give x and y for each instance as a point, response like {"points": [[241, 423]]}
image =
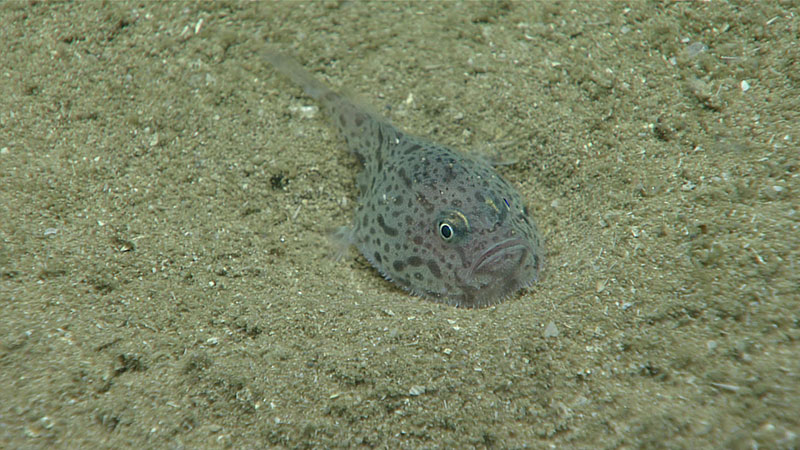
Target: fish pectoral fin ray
{"points": [[341, 239]]}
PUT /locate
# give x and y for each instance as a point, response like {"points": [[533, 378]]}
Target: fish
{"points": [[441, 224]]}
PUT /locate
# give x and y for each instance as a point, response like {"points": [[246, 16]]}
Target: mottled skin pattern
{"points": [[437, 222]]}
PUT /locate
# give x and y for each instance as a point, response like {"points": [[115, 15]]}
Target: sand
{"points": [[165, 199]]}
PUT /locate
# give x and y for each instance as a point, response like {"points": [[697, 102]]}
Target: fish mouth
{"points": [[499, 253]]}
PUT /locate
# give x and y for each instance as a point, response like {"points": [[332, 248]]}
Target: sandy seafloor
{"points": [[165, 199]]}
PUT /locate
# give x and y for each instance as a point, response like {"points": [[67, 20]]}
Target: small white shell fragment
{"points": [[305, 112], [695, 49], [745, 86], [551, 330], [416, 390]]}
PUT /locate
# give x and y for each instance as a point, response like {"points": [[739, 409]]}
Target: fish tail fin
{"points": [[290, 68]]}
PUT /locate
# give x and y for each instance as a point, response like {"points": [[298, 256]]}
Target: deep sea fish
{"points": [[439, 223]]}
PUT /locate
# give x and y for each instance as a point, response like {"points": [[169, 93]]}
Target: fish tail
{"points": [[364, 130], [313, 87]]}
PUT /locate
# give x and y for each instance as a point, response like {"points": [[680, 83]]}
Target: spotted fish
{"points": [[439, 223]]}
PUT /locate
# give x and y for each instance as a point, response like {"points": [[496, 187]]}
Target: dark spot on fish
{"points": [[418, 240], [449, 173], [402, 174], [463, 257], [377, 257], [414, 261], [434, 268], [424, 203], [399, 266], [386, 228]]}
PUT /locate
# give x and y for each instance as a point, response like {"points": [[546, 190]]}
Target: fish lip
{"points": [[493, 253]]}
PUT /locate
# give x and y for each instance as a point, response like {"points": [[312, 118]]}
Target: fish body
{"points": [[439, 223]]}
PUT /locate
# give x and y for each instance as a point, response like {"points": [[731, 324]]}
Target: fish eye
{"points": [[445, 231], [452, 226]]}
